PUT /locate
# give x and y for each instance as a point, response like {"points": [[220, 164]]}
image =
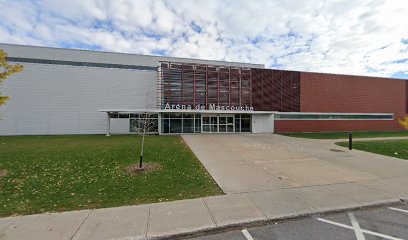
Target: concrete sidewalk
{"points": [[189, 216], [279, 178]]}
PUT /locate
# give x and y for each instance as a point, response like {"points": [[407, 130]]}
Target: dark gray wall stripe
{"points": [[82, 64]]}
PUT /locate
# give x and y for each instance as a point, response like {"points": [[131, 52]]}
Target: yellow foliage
{"points": [[404, 122], [3, 99], [7, 70]]}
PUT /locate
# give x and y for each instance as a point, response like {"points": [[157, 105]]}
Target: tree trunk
{"points": [[143, 138]]}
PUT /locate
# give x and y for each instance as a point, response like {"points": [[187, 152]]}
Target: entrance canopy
{"points": [[181, 121], [186, 111]]}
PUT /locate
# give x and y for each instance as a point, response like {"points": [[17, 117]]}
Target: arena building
{"points": [[65, 91]]}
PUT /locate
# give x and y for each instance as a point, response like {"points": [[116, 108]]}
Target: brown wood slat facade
{"points": [[204, 85], [275, 90]]}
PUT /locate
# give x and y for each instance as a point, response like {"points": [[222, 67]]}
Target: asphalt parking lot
{"points": [[384, 222]]}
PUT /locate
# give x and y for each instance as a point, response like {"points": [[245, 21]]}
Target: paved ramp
{"points": [[257, 162]]}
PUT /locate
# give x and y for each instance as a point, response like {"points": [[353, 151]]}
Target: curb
{"points": [[237, 226]]}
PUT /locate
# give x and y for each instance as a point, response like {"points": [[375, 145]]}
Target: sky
{"points": [[362, 37]]}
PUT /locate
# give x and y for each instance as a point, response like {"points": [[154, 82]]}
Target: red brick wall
{"points": [[336, 125], [275, 90], [348, 94]]}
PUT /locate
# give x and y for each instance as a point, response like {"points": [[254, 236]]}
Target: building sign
{"points": [[210, 107]]}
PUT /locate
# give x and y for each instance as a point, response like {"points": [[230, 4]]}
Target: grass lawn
{"points": [[340, 135], [59, 173], [393, 148]]}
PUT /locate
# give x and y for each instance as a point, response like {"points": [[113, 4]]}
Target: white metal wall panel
{"points": [[119, 125], [262, 123], [55, 99], [103, 57]]}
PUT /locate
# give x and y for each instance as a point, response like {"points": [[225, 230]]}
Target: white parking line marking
{"points": [[398, 209], [356, 226], [363, 230], [247, 235]]}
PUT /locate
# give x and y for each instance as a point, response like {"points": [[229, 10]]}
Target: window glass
{"points": [[308, 116], [188, 125], [230, 120], [188, 115], [133, 125], [175, 115], [165, 126], [206, 128], [237, 125], [175, 126], [331, 116], [288, 116], [197, 125], [245, 125], [386, 117], [113, 115], [206, 120], [123, 115], [154, 126]]}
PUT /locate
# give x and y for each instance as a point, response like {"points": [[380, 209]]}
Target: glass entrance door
{"points": [[218, 123], [210, 124], [226, 124]]}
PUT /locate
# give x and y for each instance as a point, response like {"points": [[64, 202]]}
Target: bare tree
{"points": [[146, 123]]}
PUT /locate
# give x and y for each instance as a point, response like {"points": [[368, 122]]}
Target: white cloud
{"points": [[368, 37]]}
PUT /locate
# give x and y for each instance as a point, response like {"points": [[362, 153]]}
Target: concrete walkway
{"points": [[266, 177], [258, 162]]}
